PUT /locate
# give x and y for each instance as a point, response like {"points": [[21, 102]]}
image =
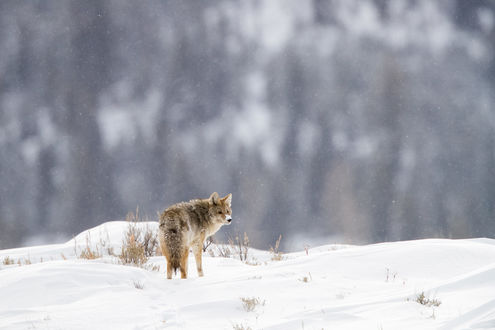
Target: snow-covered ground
{"points": [[330, 287]]}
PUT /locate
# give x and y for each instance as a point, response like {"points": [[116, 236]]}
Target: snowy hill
{"points": [[332, 287]]}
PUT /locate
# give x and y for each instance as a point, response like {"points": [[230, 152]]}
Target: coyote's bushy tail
{"points": [[175, 259], [172, 241]]}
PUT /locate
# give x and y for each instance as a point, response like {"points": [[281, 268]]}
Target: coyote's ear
{"points": [[227, 199], [214, 198]]}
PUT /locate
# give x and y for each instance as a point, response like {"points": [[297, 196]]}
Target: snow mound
{"points": [[331, 286]]}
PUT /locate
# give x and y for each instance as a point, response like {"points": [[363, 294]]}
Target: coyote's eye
{"points": [[220, 212]]}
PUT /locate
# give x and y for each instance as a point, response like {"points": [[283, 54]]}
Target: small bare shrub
{"points": [[207, 243], [88, 252], [239, 326], [133, 252], [306, 279], [252, 262], [249, 304], [276, 254], [138, 244], [138, 285], [423, 300], [150, 242], [146, 237], [24, 261], [153, 268], [223, 251], [236, 246], [8, 261], [241, 245]]}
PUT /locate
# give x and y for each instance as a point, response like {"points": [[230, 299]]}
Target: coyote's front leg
{"points": [[198, 253]]}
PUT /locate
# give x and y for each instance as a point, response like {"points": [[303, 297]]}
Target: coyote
{"points": [[188, 224]]}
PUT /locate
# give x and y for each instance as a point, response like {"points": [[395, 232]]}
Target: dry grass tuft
{"points": [[220, 250], [88, 252], [249, 304], [209, 241], [25, 261], [236, 247], [241, 246], [306, 279], [138, 244], [8, 261], [133, 252], [20, 262], [276, 254], [138, 285], [423, 300]]}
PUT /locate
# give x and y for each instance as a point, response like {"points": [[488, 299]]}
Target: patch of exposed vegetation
{"points": [[236, 247], [425, 301], [241, 245], [88, 252], [8, 261], [249, 304], [138, 285], [277, 255], [306, 279], [138, 244]]}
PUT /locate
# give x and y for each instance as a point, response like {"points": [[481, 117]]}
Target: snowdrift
{"points": [[332, 287]]}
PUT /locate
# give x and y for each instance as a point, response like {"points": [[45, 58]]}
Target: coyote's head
{"points": [[220, 210]]}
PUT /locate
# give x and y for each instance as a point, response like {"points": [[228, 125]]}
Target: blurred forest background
{"points": [[349, 121]]}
